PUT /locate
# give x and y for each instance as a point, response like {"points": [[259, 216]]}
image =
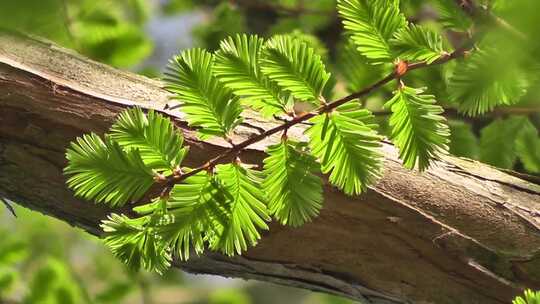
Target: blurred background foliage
{"points": [[45, 261]]}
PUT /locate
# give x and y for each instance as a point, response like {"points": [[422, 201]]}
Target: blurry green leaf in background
{"points": [[463, 142], [45, 261], [107, 30]]}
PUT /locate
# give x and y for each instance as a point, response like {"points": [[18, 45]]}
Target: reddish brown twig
{"points": [[398, 72]]}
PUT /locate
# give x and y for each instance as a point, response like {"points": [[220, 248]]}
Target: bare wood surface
{"points": [[462, 232]]}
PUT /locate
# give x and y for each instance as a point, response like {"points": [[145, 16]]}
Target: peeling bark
{"points": [[462, 232]]}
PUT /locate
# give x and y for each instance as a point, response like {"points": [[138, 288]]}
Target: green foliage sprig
{"points": [[418, 129], [530, 297], [224, 204]]}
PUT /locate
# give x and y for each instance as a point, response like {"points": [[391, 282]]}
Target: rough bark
{"points": [[461, 232]]}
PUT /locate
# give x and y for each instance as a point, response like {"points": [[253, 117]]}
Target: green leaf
{"points": [[528, 147], [196, 211], [154, 136], [8, 277], [43, 284], [418, 129], [417, 43], [295, 67], [247, 209], [530, 297], [293, 188], [46, 19], [121, 44], [64, 295], [481, 83], [463, 142], [349, 148], [452, 16], [312, 41], [54, 283], [135, 243], [115, 292], [371, 24], [225, 209], [237, 66], [226, 19], [12, 252], [206, 102], [356, 69], [101, 171], [497, 141], [110, 31], [229, 296], [104, 30]]}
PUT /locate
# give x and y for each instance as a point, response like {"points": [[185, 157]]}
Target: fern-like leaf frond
{"points": [[246, 209], [131, 241], [418, 129], [237, 66], [498, 140], [463, 141], [528, 147], [348, 147], [530, 297], [371, 24], [294, 191], [452, 16], [479, 84], [356, 69], [153, 135], [417, 43], [196, 211], [207, 103], [102, 171], [295, 67]]}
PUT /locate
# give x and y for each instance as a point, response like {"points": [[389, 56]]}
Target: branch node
{"points": [[166, 192], [160, 178], [177, 172], [401, 68], [209, 167], [230, 141], [284, 136], [323, 101]]}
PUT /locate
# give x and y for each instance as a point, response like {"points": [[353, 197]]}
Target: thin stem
{"points": [[400, 70], [322, 109], [254, 127]]}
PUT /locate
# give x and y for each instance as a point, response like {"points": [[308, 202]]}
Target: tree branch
{"points": [[459, 233], [400, 71]]}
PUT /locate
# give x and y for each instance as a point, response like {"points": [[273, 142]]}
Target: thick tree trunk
{"points": [[461, 232]]}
